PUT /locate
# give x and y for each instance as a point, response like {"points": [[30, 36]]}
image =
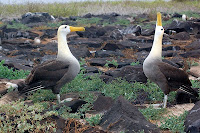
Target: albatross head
{"points": [[66, 29], [159, 29]]}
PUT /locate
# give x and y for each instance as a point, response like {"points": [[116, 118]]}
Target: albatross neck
{"points": [[63, 48], [156, 50]]}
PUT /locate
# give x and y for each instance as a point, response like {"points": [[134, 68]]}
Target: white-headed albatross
{"points": [[167, 77], [55, 73]]}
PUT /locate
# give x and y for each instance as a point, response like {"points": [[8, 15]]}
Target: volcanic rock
{"points": [[192, 122], [124, 117], [194, 45], [131, 74], [102, 103], [108, 53], [192, 53], [179, 26], [134, 29], [36, 17], [182, 36]]}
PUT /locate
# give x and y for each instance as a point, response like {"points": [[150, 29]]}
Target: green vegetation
{"points": [[152, 113], [17, 25], [121, 21], [27, 118], [113, 62], [19, 117], [174, 123], [54, 25], [5, 72], [135, 63], [80, 8], [191, 14], [94, 120], [88, 21]]}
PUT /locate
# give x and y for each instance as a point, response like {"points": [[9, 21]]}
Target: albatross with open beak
{"points": [[55, 73], [167, 77]]}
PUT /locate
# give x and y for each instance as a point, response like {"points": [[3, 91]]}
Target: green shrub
{"points": [[19, 117], [152, 113], [174, 123], [5, 72]]}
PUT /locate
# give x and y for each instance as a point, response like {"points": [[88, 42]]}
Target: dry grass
{"points": [[99, 7]]}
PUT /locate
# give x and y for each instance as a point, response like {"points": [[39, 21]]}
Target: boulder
{"points": [[194, 45], [36, 17], [92, 32], [92, 42], [148, 32], [128, 44], [98, 61], [174, 48], [80, 51], [131, 74], [176, 15], [181, 36], [144, 46], [89, 69], [140, 39], [192, 122], [124, 117], [102, 104], [49, 33], [112, 46], [116, 35], [108, 53], [169, 53], [193, 53], [179, 26], [134, 29]]}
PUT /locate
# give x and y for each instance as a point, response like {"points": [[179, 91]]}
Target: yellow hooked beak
{"points": [[159, 19], [72, 29]]}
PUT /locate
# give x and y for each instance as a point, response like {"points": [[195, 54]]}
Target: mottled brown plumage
{"points": [[55, 73], [167, 77]]}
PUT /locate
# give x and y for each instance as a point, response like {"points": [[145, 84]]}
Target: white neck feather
{"points": [[156, 50], [63, 49]]}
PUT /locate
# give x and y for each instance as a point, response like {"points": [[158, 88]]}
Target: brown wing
{"points": [[50, 70], [174, 76]]}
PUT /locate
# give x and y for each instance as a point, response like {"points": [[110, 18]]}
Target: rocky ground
{"points": [[112, 45]]}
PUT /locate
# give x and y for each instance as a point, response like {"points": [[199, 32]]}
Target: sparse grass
{"points": [[122, 22], [174, 123], [135, 63], [54, 24], [5, 72], [111, 63], [94, 120], [17, 25], [88, 21], [152, 113], [99, 7], [19, 117], [191, 14]]}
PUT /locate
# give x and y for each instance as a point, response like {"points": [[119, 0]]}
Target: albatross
{"points": [[167, 77], [55, 73]]}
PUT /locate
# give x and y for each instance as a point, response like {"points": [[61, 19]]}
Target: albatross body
{"points": [[55, 73], [167, 77]]}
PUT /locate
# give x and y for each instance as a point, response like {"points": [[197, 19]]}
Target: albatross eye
{"points": [[65, 27]]}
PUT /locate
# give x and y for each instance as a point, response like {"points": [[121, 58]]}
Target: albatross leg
{"points": [[65, 100], [58, 98], [165, 101]]}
